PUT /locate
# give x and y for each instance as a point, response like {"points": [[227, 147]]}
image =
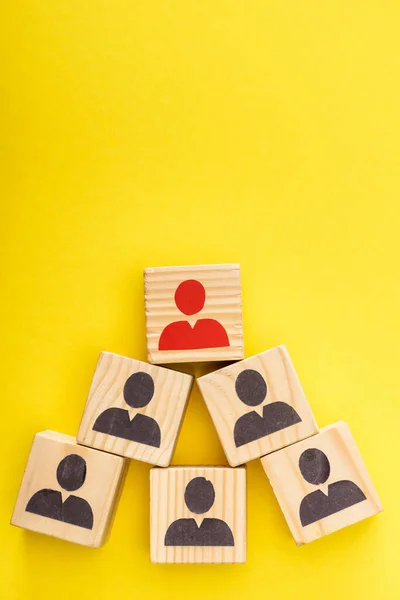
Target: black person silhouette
{"points": [[199, 498], [251, 388], [315, 468], [138, 391], [71, 474]]}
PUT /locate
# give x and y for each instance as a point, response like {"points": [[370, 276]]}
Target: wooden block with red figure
{"points": [[193, 313]]}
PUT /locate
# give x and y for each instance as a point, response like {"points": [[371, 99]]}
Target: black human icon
{"points": [[251, 388], [71, 475], [199, 498], [315, 468], [138, 391]]}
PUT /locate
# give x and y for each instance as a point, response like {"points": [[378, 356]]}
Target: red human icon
{"points": [[190, 297]]}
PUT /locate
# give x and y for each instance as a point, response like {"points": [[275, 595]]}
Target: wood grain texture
{"points": [[346, 464], [223, 303], [219, 392], [167, 407], [167, 504], [101, 488]]}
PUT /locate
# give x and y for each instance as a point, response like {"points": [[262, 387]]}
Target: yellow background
{"points": [[146, 133]]}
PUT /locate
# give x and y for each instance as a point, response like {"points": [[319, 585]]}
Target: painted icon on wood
{"points": [[315, 468], [190, 297], [251, 389], [199, 498], [71, 475], [138, 392]]}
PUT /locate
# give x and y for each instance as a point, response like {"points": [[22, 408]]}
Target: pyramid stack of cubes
{"points": [[135, 409]]}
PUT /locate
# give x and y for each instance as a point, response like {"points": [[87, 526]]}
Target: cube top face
{"points": [[198, 515], [322, 484], [193, 313], [134, 409], [68, 491], [257, 405]]}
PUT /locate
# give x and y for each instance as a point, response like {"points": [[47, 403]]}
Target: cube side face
{"points": [[311, 509], [239, 424], [225, 520], [193, 314], [109, 422], [94, 498]]}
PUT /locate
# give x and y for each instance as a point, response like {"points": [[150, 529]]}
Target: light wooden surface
{"points": [[282, 469], [167, 407], [223, 303], [101, 488], [167, 504], [225, 407]]}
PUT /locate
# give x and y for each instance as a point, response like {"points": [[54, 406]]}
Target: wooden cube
{"points": [[322, 484], [193, 313], [198, 515], [134, 409], [69, 491], [257, 405]]}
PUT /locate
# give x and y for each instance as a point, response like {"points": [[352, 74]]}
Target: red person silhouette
{"points": [[190, 296]]}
